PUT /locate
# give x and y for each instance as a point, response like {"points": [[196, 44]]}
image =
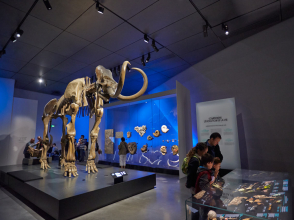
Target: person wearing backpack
{"points": [[123, 148], [194, 161]]}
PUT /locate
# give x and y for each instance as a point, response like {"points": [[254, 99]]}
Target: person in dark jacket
{"points": [[205, 176], [122, 147], [213, 147], [31, 144], [40, 145], [194, 158]]}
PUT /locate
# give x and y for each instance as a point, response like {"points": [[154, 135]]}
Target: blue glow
{"points": [[82, 126], [153, 114], [6, 96]]}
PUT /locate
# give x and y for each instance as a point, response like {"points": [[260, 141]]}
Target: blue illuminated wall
{"points": [[81, 126], [153, 113]]}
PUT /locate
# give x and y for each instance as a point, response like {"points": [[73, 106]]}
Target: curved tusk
{"points": [[142, 90], [121, 81]]}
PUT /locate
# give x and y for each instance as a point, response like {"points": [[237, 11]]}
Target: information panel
{"points": [[220, 116]]}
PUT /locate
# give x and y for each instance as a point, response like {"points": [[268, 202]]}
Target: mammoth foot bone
{"points": [[71, 169], [44, 164], [62, 162], [91, 166]]}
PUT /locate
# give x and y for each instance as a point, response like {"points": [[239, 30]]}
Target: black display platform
{"points": [[24, 176], [65, 198]]}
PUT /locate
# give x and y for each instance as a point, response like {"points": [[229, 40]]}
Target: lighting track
{"points": [[22, 21]]}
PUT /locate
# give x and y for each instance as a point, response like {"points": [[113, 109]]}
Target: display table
{"points": [[245, 194]]}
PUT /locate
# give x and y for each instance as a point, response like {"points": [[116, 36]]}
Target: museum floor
{"points": [[166, 201]]}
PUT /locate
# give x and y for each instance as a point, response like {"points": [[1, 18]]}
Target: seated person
{"points": [[194, 157], [40, 145], [51, 150], [31, 143], [205, 176]]}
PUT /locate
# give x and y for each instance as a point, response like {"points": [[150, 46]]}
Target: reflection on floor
{"points": [[165, 202]]}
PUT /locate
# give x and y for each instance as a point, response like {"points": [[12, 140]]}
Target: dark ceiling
{"points": [[70, 40]]}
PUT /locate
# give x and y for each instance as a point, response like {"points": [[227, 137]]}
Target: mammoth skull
{"points": [[113, 89]]}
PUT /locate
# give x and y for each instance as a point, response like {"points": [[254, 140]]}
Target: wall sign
{"points": [[220, 116]]}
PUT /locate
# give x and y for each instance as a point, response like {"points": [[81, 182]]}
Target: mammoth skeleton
{"points": [[82, 94]]}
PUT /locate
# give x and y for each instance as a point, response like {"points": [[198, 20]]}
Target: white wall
{"points": [[42, 99], [258, 72], [23, 128]]}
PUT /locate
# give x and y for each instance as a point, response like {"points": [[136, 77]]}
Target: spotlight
{"points": [[47, 4], [205, 34], [146, 39], [225, 28], [154, 46], [99, 8], [148, 58], [13, 39], [40, 80], [128, 68], [142, 60], [19, 33], [2, 52]]}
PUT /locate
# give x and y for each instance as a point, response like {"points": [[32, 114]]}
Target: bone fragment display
{"points": [[175, 149], [129, 134], [200, 194], [108, 141], [144, 149], [149, 138], [164, 129], [156, 133], [163, 150], [236, 201], [141, 130], [132, 147]]}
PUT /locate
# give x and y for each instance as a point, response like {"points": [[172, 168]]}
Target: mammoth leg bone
{"points": [[46, 144], [63, 140], [70, 167], [91, 166]]}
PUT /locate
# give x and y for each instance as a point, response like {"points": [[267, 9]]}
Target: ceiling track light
{"points": [[99, 8], [13, 39], [205, 33], [19, 33], [148, 58], [154, 46], [142, 61], [146, 39], [41, 80], [225, 28], [47, 4]]}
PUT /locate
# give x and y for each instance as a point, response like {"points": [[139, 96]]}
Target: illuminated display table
{"points": [[246, 194]]}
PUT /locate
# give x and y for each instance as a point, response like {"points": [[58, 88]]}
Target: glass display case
{"points": [[152, 113], [244, 194]]}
